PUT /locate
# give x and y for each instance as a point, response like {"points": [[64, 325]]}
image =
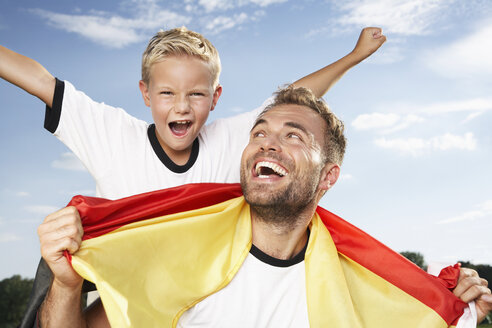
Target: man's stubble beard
{"points": [[285, 206]]}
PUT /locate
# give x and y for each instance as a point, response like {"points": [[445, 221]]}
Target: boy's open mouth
{"points": [[179, 128]]}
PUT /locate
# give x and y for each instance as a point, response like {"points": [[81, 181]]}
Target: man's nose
{"points": [[182, 105], [270, 143]]}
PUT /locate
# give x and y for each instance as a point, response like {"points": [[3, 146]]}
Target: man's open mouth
{"points": [[179, 128], [268, 169]]}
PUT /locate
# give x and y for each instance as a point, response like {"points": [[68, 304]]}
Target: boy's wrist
{"points": [[355, 57]]}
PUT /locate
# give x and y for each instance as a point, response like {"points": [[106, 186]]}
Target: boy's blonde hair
{"points": [[178, 42], [335, 141]]}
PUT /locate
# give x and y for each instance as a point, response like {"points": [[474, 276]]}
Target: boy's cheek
{"points": [[205, 104]]}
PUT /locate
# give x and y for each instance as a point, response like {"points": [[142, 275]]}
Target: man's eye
{"points": [[294, 135], [258, 134], [198, 94]]}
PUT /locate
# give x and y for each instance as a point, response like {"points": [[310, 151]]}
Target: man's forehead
{"points": [[288, 114]]}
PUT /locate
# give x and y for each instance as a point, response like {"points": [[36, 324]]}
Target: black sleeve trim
{"points": [[52, 115], [265, 258], [165, 159]]}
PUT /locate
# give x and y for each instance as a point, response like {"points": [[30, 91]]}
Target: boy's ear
{"points": [[217, 93], [329, 176], [145, 92]]}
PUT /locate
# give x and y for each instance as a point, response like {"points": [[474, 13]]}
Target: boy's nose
{"points": [[182, 105]]}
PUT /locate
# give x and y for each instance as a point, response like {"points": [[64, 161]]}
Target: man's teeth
{"points": [[274, 167]]}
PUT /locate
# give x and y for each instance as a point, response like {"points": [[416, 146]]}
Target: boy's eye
{"points": [[166, 93]]}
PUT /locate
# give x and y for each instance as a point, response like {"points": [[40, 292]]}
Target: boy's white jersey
{"points": [[122, 152]]}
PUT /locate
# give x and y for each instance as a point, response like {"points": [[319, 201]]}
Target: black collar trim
{"points": [[265, 258], [165, 159]]}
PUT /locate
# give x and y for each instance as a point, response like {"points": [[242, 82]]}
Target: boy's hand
{"points": [[370, 39], [473, 288], [61, 231]]}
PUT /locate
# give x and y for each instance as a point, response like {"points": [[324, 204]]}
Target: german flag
{"points": [[153, 256]]}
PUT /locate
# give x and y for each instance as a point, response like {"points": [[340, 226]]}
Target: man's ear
{"points": [[217, 93], [329, 176], [145, 92]]}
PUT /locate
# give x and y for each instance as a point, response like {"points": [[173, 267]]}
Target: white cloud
{"points": [[22, 194], [68, 161], [468, 57], [451, 141], [468, 105], [385, 122], [419, 146], [211, 5], [112, 30], [398, 18], [265, 3], [115, 31], [404, 17], [215, 5], [483, 210], [6, 237], [41, 209], [221, 23], [391, 122]]}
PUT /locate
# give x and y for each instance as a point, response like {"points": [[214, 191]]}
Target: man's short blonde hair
{"points": [[180, 42], [335, 142]]}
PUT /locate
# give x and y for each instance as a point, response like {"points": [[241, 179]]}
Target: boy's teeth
{"points": [[274, 167], [179, 127]]}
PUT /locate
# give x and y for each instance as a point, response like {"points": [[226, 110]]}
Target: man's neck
{"points": [[280, 241]]}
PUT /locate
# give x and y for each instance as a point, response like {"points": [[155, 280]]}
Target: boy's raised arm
{"points": [[27, 74], [370, 39]]}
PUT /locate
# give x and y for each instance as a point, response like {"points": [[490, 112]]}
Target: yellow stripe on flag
{"points": [[148, 273]]}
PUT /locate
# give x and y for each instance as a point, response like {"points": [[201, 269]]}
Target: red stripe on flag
{"points": [[100, 216], [393, 267]]}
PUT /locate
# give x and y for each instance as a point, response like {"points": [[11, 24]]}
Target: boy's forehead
{"points": [[183, 67]]}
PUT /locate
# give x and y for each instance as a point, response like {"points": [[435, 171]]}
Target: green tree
{"points": [[416, 258], [14, 295]]}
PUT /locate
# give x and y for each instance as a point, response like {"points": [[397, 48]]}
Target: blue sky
{"points": [[418, 113]]}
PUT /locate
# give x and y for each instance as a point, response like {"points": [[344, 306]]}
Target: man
{"points": [[254, 256]]}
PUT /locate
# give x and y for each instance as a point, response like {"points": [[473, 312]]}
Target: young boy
{"points": [[180, 83]]}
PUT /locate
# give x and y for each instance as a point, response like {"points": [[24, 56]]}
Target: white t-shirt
{"points": [[122, 152], [262, 294]]}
